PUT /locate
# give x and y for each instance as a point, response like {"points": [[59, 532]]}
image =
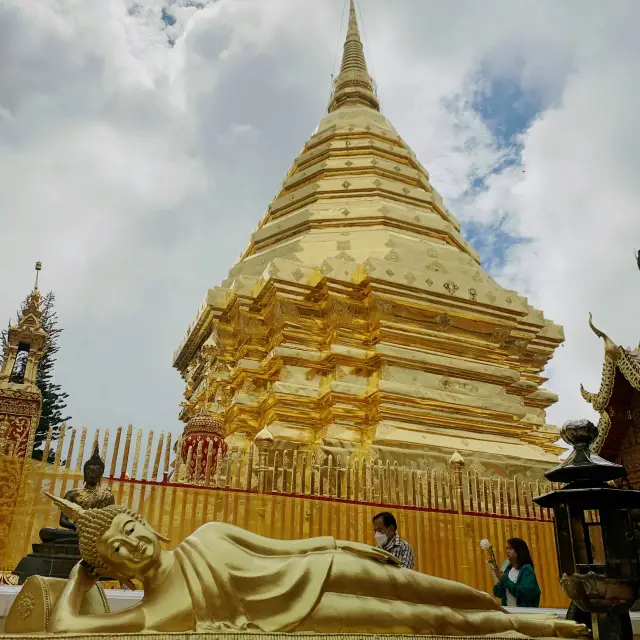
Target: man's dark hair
{"points": [[523, 555], [387, 519]]}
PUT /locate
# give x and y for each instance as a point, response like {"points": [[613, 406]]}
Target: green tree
{"points": [[53, 397]]}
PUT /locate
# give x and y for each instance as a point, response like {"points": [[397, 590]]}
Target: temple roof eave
{"points": [[616, 359]]}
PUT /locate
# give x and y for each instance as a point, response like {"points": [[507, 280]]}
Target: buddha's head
{"points": [[93, 469], [114, 540]]}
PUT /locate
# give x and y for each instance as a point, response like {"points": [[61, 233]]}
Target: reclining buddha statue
{"points": [[223, 578]]}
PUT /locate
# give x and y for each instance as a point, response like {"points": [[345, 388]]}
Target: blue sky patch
{"points": [[167, 18], [492, 241], [507, 110], [505, 107]]}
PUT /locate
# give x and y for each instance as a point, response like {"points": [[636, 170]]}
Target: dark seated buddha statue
{"points": [[58, 550]]}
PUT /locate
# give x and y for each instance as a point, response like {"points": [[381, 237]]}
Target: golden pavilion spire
{"points": [[353, 85]]}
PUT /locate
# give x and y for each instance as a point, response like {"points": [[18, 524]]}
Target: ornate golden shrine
{"points": [[618, 403], [20, 407], [359, 319]]}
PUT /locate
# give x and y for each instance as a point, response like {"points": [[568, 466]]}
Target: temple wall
{"points": [[629, 455]]}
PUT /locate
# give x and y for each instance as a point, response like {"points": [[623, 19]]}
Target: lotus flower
{"points": [[488, 547]]}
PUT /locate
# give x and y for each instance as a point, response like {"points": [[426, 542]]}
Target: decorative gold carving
{"points": [[24, 605], [473, 294], [386, 373], [500, 334], [8, 578], [451, 287], [392, 256], [630, 369], [444, 320], [436, 267], [341, 373]]}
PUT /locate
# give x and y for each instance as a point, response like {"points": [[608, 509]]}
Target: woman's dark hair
{"points": [[522, 551]]}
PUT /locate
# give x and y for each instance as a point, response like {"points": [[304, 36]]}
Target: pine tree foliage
{"points": [[53, 397]]}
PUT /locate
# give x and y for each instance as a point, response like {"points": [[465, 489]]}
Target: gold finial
{"points": [[38, 270], [456, 461], [353, 84], [264, 436], [610, 347]]}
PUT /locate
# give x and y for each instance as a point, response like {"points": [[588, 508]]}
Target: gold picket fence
{"points": [[445, 541], [351, 477], [443, 513]]}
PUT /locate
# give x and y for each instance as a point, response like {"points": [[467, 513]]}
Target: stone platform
{"points": [[50, 560], [121, 599], [241, 635]]}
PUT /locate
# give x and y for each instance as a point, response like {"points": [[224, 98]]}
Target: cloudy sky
{"points": [[141, 142]]}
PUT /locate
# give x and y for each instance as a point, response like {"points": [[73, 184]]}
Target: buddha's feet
{"points": [[571, 629]]}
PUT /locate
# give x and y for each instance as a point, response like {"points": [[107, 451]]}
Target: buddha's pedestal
{"points": [[53, 557]]}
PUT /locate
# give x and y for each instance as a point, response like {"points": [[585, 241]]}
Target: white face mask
{"points": [[381, 538]]}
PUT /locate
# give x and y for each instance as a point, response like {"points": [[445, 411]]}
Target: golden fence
{"points": [[351, 477], [442, 513], [445, 543]]}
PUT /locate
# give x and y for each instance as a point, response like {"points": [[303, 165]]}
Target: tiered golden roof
{"points": [[360, 317]]}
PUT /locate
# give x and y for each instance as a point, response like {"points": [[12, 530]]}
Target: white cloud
{"points": [[136, 170]]}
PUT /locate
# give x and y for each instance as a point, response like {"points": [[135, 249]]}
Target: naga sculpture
{"points": [[223, 578]]}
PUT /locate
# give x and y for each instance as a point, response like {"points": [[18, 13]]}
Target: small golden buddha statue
{"points": [[91, 496], [223, 578]]}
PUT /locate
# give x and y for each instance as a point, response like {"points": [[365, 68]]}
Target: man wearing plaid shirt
{"points": [[385, 530]]}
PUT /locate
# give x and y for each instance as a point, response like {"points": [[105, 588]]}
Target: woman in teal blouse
{"points": [[517, 585]]}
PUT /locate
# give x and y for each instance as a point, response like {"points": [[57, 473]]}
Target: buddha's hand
{"points": [[82, 578], [367, 551]]}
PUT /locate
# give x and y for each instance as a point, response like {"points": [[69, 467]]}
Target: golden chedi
{"points": [[359, 318], [223, 578]]}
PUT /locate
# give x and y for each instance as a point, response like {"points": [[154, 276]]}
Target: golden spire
{"points": [[353, 84], [32, 310], [38, 269]]}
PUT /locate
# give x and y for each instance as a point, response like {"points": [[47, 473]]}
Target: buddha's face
{"points": [[93, 474], [129, 547]]}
